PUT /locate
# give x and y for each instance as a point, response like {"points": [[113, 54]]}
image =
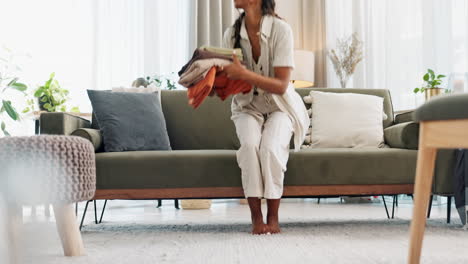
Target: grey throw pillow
{"points": [[130, 121]]}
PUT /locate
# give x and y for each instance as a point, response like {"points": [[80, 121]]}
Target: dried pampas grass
{"points": [[346, 57]]}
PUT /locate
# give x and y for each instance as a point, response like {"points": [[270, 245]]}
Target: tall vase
{"points": [[344, 82]]}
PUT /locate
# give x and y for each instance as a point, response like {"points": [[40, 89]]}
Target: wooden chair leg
{"points": [[14, 224], [68, 230], [422, 191]]}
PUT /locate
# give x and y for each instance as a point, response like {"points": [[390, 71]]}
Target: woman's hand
{"points": [[277, 85], [236, 70]]}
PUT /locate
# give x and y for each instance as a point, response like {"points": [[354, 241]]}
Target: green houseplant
{"points": [[431, 85], [52, 97], [9, 82]]}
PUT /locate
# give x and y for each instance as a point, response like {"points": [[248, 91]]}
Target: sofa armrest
{"points": [[93, 135], [404, 117], [405, 135], [61, 123]]}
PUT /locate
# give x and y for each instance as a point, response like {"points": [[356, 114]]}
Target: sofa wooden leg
{"points": [[424, 175], [68, 230]]}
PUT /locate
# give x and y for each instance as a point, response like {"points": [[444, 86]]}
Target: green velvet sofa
{"points": [[203, 162]]}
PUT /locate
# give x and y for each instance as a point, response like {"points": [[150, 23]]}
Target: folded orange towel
{"points": [[198, 92], [223, 87]]}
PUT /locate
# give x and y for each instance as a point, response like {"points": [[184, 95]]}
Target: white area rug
{"points": [[218, 237]]}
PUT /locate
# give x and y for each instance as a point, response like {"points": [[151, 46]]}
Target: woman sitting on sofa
{"points": [[268, 116]]}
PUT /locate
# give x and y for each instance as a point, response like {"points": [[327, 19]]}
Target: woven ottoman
{"points": [[57, 170]]}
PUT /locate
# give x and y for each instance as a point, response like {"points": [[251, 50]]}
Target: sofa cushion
{"points": [[351, 166], [150, 89], [167, 169], [207, 127], [219, 168], [404, 135], [404, 117], [346, 120], [385, 94], [130, 121]]}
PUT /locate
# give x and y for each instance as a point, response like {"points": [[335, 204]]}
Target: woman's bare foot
{"points": [[273, 224], [259, 227], [272, 216]]}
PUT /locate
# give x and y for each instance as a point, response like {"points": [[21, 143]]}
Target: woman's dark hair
{"points": [[268, 8]]}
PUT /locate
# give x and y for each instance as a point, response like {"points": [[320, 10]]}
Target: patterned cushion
{"points": [[47, 169]]}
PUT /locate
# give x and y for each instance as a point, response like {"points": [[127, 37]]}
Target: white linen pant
{"points": [[264, 152]]}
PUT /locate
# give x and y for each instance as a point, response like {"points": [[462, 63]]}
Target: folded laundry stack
{"points": [[200, 75]]}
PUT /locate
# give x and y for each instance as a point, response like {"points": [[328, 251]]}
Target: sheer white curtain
{"points": [[134, 38], [95, 44], [208, 21], [402, 39], [57, 35]]}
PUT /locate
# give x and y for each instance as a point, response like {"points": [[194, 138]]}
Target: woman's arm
{"points": [[277, 85]]}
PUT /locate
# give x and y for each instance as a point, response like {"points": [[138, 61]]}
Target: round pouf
{"points": [[57, 170]]}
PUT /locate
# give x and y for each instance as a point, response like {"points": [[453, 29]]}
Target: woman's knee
{"points": [[267, 150], [250, 146], [273, 153]]}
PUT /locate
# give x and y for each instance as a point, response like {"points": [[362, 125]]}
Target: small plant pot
{"points": [[431, 92]]}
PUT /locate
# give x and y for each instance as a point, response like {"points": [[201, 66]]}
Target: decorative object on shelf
{"points": [[52, 97], [161, 81], [303, 75], [458, 82], [346, 57], [431, 87], [9, 81], [140, 82]]}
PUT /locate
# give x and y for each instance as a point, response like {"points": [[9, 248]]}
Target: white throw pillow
{"points": [[308, 100], [150, 89], [346, 120]]}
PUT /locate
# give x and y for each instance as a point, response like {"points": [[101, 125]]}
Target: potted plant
{"points": [[162, 81], [431, 86], [9, 82], [52, 97]]}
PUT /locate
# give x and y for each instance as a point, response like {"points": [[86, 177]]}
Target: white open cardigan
{"points": [[277, 48]]}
